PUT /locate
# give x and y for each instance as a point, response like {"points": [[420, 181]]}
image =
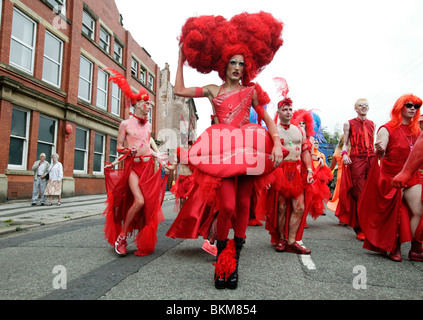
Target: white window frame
{"points": [[116, 154], [87, 137], [102, 90], [91, 28], [143, 73], [20, 42], [23, 166], [116, 99], [98, 153], [104, 42], [150, 84], [119, 53], [54, 144], [59, 63], [90, 81], [59, 6], [134, 68]]}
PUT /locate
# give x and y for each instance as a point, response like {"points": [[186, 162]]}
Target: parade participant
{"points": [[388, 216], [285, 199], [135, 193], [238, 50], [184, 183], [317, 193], [336, 161], [359, 139]]}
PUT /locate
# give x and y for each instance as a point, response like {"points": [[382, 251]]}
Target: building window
{"points": [[22, 46], [142, 74], [150, 82], [52, 66], [85, 79], [98, 153], [113, 155], [81, 151], [116, 98], [134, 67], [59, 6], [150, 116], [118, 52], [88, 24], [104, 40], [19, 135], [47, 137], [102, 83]]}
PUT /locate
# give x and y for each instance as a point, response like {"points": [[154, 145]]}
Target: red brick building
{"points": [[54, 95]]}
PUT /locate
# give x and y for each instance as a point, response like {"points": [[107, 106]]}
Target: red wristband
{"points": [[344, 152], [198, 92]]}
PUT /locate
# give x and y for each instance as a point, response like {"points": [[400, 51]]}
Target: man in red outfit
{"points": [[359, 139]]}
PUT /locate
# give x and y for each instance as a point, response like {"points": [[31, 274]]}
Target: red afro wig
{"points": [[123, 84], [306, 116], [396, 116], [208, 42]]}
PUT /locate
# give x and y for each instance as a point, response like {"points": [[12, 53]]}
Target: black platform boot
{"points": [[232, 282], [219, 282]]}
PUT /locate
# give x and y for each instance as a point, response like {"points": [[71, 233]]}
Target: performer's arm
{"points": [[345, 158], [382, 140], [306, 158]]}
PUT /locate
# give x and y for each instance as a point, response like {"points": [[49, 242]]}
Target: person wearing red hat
{"points": [[134, 194]]}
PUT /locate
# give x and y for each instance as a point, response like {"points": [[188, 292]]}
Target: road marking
{"points": [[306, 259]]}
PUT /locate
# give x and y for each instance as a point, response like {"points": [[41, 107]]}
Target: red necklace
{"points": [[142, 120]]}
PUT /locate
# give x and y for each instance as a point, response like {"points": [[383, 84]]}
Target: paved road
{"points": [[36, 262]]}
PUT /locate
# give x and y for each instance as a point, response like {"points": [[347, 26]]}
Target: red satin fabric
{"points": [[384, 216]]}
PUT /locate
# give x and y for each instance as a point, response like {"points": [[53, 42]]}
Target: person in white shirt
{"points": [[54, 186], [40, 168]]}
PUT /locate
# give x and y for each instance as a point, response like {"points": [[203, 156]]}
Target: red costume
{"points": [[384, 216], [354, 176], [119, 196]]}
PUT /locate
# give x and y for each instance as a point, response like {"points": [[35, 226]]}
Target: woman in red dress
{"points": [[389, 216], [224, 177]]}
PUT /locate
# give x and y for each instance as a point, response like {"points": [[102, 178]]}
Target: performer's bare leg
{"points": [[296, 217], [136, 206], [412, 197], [281, 217]]}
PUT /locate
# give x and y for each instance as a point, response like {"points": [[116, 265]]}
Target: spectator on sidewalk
{"points": [[40, 168], [54, 185]]}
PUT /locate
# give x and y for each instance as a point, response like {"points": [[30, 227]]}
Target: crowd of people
{"points": [[220, 186]]}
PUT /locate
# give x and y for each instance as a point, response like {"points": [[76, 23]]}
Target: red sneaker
{"points": [[281, 246], [209, 248], [296, 248], [120, 245], [360, 236]]}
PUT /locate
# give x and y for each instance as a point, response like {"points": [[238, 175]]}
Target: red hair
{"points": [[396, 116], [307, 117], [208, 42]]}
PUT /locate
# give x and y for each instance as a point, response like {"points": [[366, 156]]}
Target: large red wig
{"points": [[396, 117], [208, 42], [307, 117]]}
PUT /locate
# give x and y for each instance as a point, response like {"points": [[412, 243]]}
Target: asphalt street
{"points": [[59, 253]]}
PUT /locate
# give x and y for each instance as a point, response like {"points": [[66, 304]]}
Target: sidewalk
{"points": [[17, 215]]}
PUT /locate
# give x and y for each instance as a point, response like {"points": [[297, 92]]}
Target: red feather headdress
{"points": [[123, 84], [282, 89]]}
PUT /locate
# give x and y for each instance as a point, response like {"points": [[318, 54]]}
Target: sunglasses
{"points": [[409, 105]]}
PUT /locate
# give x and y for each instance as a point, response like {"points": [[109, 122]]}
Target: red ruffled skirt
{"points": [[120, 200]]}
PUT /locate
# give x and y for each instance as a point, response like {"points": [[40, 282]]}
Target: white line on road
{"points": [[306, 259]]}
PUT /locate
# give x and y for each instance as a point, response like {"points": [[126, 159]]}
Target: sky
{"points": [[334, 53]]}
